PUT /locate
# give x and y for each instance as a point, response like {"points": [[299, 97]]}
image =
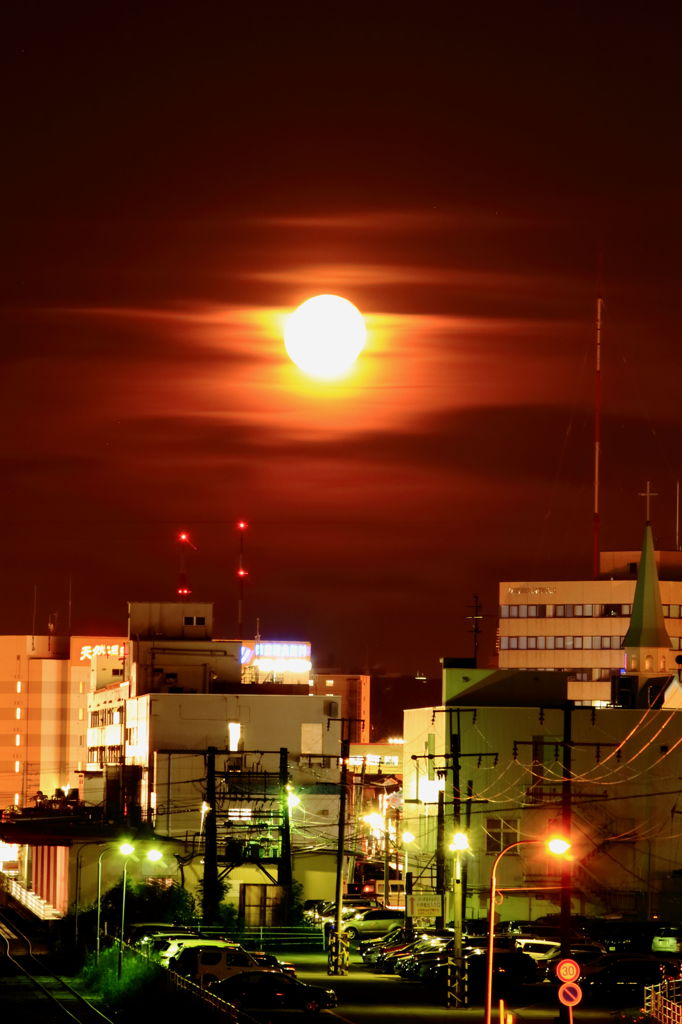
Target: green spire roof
{"points": [[647, 625]]}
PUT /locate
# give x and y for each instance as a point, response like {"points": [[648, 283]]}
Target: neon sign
{"points": [[90, 651], [277, 656]]}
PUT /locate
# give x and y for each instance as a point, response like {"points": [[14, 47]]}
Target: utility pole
{"points": [[338, 948], [211, 892], [440, 857], [284, 876]]}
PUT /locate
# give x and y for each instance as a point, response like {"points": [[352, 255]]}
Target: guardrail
{"points": [[301, 938], [664, 1001]]}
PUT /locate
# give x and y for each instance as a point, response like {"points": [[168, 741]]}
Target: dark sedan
{"points": [[622, 979], [273, 990]]}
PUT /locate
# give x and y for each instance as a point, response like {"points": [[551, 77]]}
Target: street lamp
{"points": [[459, 844], [557, 846], [378, 823]]}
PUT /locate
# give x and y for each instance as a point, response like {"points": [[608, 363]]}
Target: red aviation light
{"points": [[242, 572], [183, 591], [242, 525]]}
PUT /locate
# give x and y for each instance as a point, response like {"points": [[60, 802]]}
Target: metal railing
{"points": [[29, 899], [664, 1001]]}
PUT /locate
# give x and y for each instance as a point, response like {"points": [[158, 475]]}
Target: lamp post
{"points": [[557, 846], [127, 850], [459, 844]]}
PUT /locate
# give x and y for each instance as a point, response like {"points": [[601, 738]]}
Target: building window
{"points": [[17, 766], [532, 643], [17, 714], [200, 620], [675, 640], [500, 833], [578, 642], [189, 620], [504, 611], [17, 740], [18, 686], [234, 735], [578, 610], [504, 643], [559, 643], [568, 643], [674, 611], [541, 643], [587, 609], [587, 642], [513, 643], [532, 611], [117, 672], [559, 610], [523, 611], [550, 643], [513, 611], [522, 643]]}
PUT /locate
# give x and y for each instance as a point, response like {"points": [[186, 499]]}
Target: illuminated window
{"points": [[329, 682], [16, 799], [239, 813], [234, 735], [17, 714], [500, 833], [80, 714], [17, 740], [541, 643], [18, 686], [17, 766]]}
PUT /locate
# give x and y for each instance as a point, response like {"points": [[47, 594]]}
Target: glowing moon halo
{"points": [[325, 336]]}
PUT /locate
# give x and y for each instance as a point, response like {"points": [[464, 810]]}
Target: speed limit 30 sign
{"points": [[568, 970]]}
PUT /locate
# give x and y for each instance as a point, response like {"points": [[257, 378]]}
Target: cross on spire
{"points": [[648, 494]]}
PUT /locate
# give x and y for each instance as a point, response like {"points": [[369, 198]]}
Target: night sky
{"points": [[177, 177]]}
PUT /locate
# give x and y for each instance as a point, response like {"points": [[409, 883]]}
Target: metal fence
{"points": [[664, 1001]]}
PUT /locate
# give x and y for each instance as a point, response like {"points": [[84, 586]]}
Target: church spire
{"points": [[647, 625]]}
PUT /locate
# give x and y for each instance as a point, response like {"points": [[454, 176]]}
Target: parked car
{"points": [[622, 979], [372, 922], [204, 961], [668, 939], [512, 970], [272, 990], [270, 960]]}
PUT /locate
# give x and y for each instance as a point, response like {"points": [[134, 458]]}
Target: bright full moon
{"points": [[325, 336]]}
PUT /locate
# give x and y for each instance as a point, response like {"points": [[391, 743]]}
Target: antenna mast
{"points": [[597, 442]]}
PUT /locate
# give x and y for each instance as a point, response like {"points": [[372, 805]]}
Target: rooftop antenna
{"points": [[596, 521], [183, 590], [475, 620], [242, 573]]}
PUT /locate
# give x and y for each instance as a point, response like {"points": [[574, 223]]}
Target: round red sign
{"points": [[567, 970], [570, 994]]}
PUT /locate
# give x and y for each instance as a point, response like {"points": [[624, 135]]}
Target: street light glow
{"points": [[557, 845], [460, 841], [154, 855], [126, 849]]}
